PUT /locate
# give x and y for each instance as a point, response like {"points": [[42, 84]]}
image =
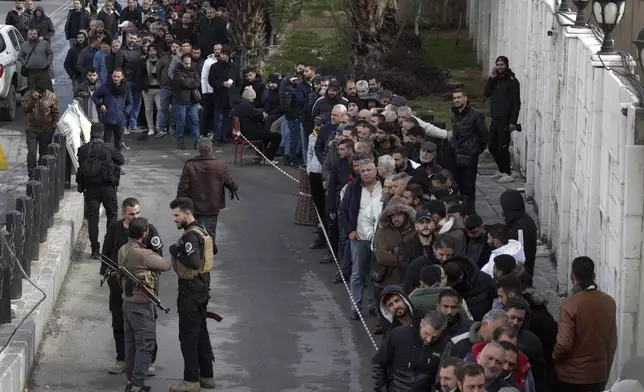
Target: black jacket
{"points": [[339, 175], [132, 15], [184, 82], [461, 345], [517, 219], [43, 24], [132, 58], [272, 104], [478, 250], [212, 32], [250, 119], [423, 173], [258, 86], [408, 252], [117, 236], [458, 326], [71, 59], [531, 346], [288, 98], [106, 152], [19, 21], [404, 363], [477, 288], [412, 272], [80, 22], [323, 106], [504, 92], [182, 33], [470, 131], [221, 72]]}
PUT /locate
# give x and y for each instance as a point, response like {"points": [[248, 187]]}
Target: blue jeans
{"points": [[295, 141], [360, 258], [132, 121], [192, 113], [222, 122], [166, 99]]}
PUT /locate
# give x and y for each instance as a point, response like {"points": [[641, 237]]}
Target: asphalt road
{"points": [[285, 328]]}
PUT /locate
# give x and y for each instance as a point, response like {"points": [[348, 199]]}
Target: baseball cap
{"points": [[420, 215], [398, 100], [428, 146]]}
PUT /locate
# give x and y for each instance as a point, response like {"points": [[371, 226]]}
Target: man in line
{"points": [[36, 57], [139, 312]]}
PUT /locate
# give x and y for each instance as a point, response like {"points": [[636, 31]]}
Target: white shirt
{"points": [[366, 199], [205, 71]]}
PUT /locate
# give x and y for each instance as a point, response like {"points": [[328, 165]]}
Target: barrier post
{"points": [[25, 205], [54, 150], [42, 175], [34, 190], [50, 162], [5, 280], [14, 227]]}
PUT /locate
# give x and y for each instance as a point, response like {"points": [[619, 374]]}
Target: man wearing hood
{"points": [[396, 308], [451, 225], [483, 331], [521, 225], [476, 287], [114, 102], [36, 57], [41, 106], [72, 58], [503, 89], [19, 18], [499, 240], [409, 357], [77, 19], [42, 23]]}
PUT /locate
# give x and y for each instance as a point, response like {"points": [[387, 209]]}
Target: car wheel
{"points": [[8, 113]]}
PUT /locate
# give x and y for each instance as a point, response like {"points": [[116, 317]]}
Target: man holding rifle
{"points": [[117, 235], [139, 312]]}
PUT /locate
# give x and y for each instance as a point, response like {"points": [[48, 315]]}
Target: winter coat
{"points": [[530, 345], [388, 238], [43, 24], [541, 323], [461, 345], [135, 15], [110, 21], [323, 106], [220, 72], [203, 180], [412, 270], [213, 32], [206, 88], [587, 337], [470, 133], [71, 59], [287, 93], [76, 21], [41, 58], [162, 71], [258, 86], [478, 250], [132, 59], [338, 179], [116, 99], [504, 92], [518, 220], [19, 20], [85, 60], [477, 288], [184, 82], [250, 119], [408, 252], [404, 363], [83, 95], [426, 299], [42, 114], [394, 144], [390, 322]]}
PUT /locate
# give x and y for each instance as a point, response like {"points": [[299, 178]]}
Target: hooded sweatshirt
{"points": [[512, 248], [390, 320], [522, 227], [43, 24], [453, 226]]}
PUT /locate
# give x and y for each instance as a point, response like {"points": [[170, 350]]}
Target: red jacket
{"points": [[523, 365]]}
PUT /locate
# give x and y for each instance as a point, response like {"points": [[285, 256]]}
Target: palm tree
{"points": [[249, 30]]}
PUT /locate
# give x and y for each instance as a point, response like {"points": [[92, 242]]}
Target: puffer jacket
{"points": [[312, 163], [388, 238], [203, 180], [404, 363]]}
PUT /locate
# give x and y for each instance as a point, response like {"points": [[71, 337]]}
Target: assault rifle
{"points": [[112, 267], [146, 290]]}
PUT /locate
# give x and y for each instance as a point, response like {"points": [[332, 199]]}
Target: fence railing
{"points": [[27, 224]]}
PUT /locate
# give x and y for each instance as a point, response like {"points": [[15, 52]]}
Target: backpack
{"points": [[98, 168]]}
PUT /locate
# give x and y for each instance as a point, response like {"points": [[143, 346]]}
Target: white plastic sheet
{"points": [[75, 125]]}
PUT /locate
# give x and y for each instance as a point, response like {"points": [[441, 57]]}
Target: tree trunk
{"points": [[249, 30], [372, 29]]}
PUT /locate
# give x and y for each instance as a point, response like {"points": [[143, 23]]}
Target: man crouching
{"points": [[138, 311]]}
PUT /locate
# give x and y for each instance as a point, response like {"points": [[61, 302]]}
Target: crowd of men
{"points": [[453, 296]]}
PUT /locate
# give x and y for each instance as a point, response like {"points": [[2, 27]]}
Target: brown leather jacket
{"points": [[586, 339], [203, 180], [43, 113]]}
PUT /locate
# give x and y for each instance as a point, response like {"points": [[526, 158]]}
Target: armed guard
{"points": [[139, 312], [192, 260], [117, 235], [98, 176]]}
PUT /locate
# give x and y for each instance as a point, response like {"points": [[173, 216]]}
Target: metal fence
{"points": [[27, 224]]}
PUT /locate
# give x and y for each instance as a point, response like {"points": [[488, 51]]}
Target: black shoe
{"points": [[94, 255], [319, 243], [327, 258], [195, 145], [181, 146], [337, 279], [372, 311], [378, 330], [128, 387], [354, 315]]}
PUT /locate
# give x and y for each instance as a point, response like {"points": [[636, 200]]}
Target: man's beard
{"points": [[401, 312], [422, 233]]}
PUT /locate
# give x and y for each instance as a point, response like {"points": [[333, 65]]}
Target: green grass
{"points": [[308, 47]]}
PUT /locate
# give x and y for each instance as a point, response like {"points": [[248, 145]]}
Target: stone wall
{"points": [[581, 148]]}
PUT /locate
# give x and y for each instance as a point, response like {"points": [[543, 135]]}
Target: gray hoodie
{"points": [[40, 59]]}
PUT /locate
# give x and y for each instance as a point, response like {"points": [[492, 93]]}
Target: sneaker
{"points": [[186, 386], [207, 382], [172, 131], [496, 176], [152, 371], [267, 162], [124, 146], [151, 132], [161, 134], [181, 146], [327, 258], [126, 131], [505, 178], [117, 368], [319, 243]]}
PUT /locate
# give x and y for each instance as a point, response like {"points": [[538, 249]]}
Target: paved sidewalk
{"points": [[488, 207]]}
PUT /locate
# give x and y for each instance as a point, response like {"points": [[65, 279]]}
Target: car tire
{"points": [[8, 113]]}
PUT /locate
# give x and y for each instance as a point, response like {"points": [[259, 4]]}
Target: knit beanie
{"points": [[504, 59], [249, 94], [96, 131]]}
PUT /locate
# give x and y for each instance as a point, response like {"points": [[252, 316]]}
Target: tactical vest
{"points": [[207, 256], [146, 276]]}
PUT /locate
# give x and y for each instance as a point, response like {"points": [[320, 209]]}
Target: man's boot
{"points": [[186, 386], [208, 383]]}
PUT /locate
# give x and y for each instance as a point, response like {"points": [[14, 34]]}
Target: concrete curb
{"points": [[48, 273]]}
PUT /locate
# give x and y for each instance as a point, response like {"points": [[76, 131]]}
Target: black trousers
{"points": [[94, 197], [115, 130], [317, 194], [42, 75], [193, 336], [499, 146], [561, 386], [210, 223], [37, 144], [116, 308], [207, 117], [271, 142], [465, 177]]}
